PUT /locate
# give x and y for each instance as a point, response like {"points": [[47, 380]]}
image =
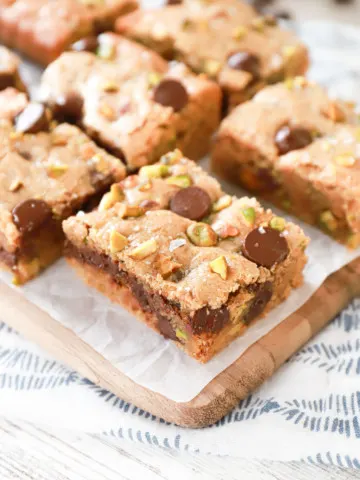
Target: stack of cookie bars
{"points": [[102, 169]]}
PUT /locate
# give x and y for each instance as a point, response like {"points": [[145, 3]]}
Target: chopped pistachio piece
{"points": [[106, 51], [239, 32], [109, 199], [289, 83], [117, 242], [258, 24], [270, 20], [228, 230], [144, 250], [249, 214], [154, 171], [133, 211], [145, 187], [326, 146], [107, 111], [181, 335], [288, 51], [212, 67], [172, 157], [278, 223], [328, 221], [15, 185], [335, 113], [345, 160], [154, 78], [93, 3], [56, 171], [300, 82], [101, 164], [110, 86], [202, 235], [223, 202], [219, 266], [187, 24], [357, 134], [167, 265], [182, 181]]}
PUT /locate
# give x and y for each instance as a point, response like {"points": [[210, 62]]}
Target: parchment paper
{"points": [[134, 349]]}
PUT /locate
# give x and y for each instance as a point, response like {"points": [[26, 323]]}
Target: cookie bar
{"points": [[298, 148], [195, 264], [131, 101], [47, 173], [9, 70], [43, 29], [225, 39]]}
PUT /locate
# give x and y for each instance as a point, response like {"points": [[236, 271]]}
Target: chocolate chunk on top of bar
{"points": [[47, 172], [132, 101], [227, 39], [200, 263]]}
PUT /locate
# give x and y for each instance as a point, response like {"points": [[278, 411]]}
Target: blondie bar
{"points": [[47, 173], [131, 101], [195, 264], [225, 39], [43, 29], [300, 149]]}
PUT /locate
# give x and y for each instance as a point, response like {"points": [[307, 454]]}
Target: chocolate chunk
{"points": [[245, 61], [173, 2], [266, 246], [263, 294], [32, 119], [292, 138], [171, 93], [210, 321], [192, 202], [165, 327], [31, 214], [6, 80], [69, 106], [87, 44]]}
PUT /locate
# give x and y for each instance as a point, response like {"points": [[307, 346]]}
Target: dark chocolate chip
{"points": [[6, 80], [69, 106], [173, 2], [263, 294], [266, 246], [31, 214], [171, 93], [87, 44], [165, 327], [210, 321], [245, 61], [192, 202], [292, 138], [32, 119]]}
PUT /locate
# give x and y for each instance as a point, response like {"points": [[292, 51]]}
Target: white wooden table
{"points": [[30, 452]]}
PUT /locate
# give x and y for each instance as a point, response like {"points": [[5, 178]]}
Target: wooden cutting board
{"points": [[256, 365]]}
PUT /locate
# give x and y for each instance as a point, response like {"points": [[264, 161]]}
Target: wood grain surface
{"points": [[256, 365]]}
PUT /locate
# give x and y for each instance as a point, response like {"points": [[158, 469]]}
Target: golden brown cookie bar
{"points": [[43, 29], [132, 101], [9, 70], [195, 264], [319, 180], [225, 39], [46, 174]]}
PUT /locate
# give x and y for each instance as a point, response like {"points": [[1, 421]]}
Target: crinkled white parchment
{"points": [[143, 355]]}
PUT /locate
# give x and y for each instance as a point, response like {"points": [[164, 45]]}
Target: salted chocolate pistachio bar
{"points": [[195, 264]]}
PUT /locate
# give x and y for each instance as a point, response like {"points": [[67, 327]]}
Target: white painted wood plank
{"points": [[33, 453]]}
